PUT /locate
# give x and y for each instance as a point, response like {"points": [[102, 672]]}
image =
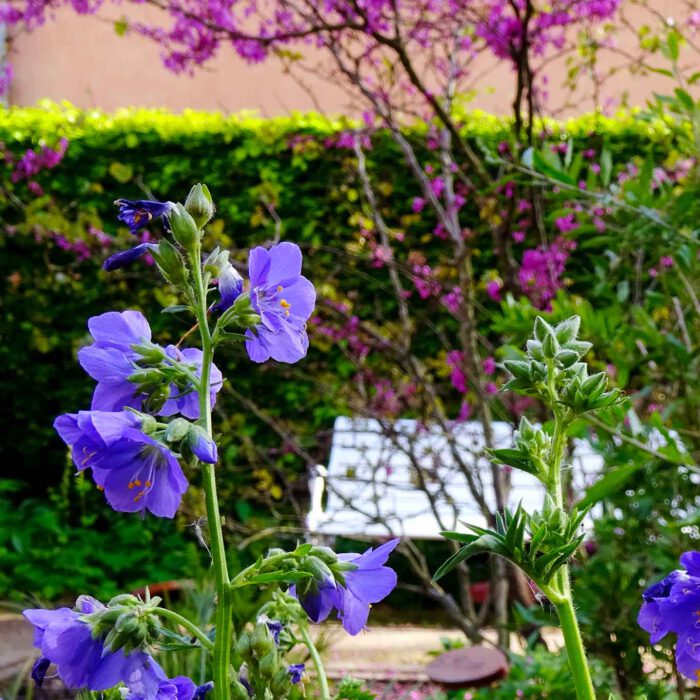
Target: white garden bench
{"points": [[371, 482]]}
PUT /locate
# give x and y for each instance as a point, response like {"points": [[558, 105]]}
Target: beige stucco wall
{"points": [[83, 60]]}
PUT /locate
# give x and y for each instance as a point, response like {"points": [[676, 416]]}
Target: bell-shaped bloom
{"points": [[137, 214], [370, 582], [65, 639], [672, 605], [112, 362], [230, 288], [284, 299], [136, 473], [320, 601], [125, 257]]}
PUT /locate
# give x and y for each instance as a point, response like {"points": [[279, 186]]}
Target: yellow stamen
{"points": [[279, 288], [285, 304]]}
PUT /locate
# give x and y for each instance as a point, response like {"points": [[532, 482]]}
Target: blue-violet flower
{"points": [[136, 472], [283, 299]]}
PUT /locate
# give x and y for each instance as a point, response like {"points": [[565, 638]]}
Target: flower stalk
{"points": [[324, 691], [224, 631]]}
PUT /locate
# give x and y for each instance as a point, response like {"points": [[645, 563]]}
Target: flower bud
{"points": [[122, 599], [199, 204], [262, 641], [202, 446], [149, 424], [268, 664], [238, 691], [157, 399], [318, 569], [243, 648], [177, 430], [280, 683], [184, 228], [147, 379], [170, 263]]}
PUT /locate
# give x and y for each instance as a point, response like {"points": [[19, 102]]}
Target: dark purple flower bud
{"points": [[275, 627], [202, 446], [202, 690], [296, 671], [126, 257], [137, 214], [39, 669]]}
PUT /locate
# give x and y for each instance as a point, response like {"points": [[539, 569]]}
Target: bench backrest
{"points": [[381, 478]]}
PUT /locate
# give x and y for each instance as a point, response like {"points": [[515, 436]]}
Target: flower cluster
{"points": [[367, 582], [83, 661], [673, 605]]}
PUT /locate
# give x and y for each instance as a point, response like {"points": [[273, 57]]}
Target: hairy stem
{"points": [[318, 664], [222, 642], [562, 599]]}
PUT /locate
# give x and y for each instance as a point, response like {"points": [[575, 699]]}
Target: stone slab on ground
{"points": [[16, 635], [393, 653]]}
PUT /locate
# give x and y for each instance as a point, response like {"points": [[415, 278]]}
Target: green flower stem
{"points": [[562, 598], [574, 649], [318, 664], [222, 642], [178, 619], [239, 580]]}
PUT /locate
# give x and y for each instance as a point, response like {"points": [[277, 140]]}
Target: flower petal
{"points": [[285, 264], [258, 266]]}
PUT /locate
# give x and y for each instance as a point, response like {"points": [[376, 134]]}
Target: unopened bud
{"points": [[170, 263], [177, 430], [262, 641], [184, 228], [199, 204], [268, 664]]}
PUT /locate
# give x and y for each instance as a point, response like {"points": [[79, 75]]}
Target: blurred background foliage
{"points": [[633, 280]]}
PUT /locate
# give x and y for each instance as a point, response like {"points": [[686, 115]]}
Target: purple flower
{"points": [[672, 605], [136, 472], [368, 583], [201, 692], [137, 214], [126, 257], [230, 288], [284, 299], [187, 402], [178, 688], [111, 361], [82, 662], [296, 672]]}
